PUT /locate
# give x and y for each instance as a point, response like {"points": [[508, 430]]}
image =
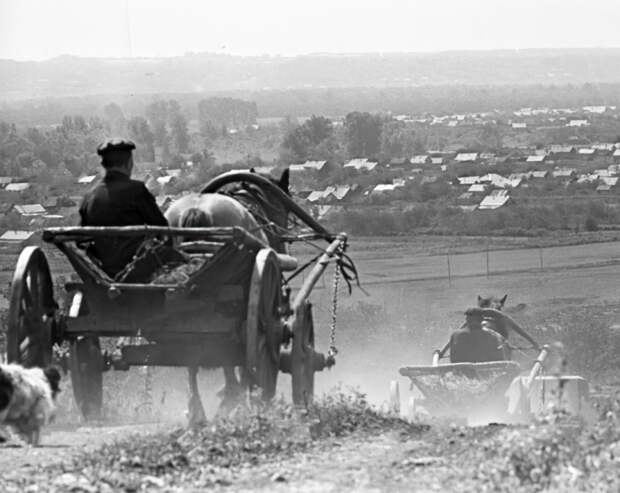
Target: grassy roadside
{"points": [[556, 453], [441, 245], [211, 455]]}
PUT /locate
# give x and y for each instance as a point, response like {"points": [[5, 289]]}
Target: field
{"points": [[411, 308]]}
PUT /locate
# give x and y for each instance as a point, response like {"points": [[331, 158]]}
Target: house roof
{"points": [[420, 159], [308, 165], [341, 191], [494, 200], [477, 188], [612, 181], [587, 151], [16, 235], [17, 187], [535, 159], [539, 174], [384, 187], [464, 157], [321, 194], [84, 180], [468, 180], [468, 208], [30, 209], [577, 123], [590, 178], [563, 172], [436, 160], [164, 180], [561, 149], [361, 163], [603, 188]]}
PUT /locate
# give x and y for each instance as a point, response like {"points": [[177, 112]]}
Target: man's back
{"points": [[475, 346], [117, 200]]}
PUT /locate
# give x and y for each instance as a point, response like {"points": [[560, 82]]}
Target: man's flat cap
{"points": [[115, 145]]}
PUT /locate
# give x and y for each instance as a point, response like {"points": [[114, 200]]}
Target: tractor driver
{"points": [[475, 342], [117, 200]]}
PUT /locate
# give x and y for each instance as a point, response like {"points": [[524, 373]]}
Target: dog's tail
{"points": [[53, 377]]}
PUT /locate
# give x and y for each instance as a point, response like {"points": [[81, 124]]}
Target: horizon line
{"points": [[314, 54]]}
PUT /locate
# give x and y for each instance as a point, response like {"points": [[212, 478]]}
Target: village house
{"points": [[422, 159], [308, 166], [87, 180], [30, 209], [578, 123], [361, 164], [466, 157], [18, 237], [17, 187], [495, 200]]}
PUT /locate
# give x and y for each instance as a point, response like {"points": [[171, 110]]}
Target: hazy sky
{"points": [[40, 29]]}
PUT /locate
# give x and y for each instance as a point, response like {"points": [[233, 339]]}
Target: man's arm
{"points": [[151, 214]]}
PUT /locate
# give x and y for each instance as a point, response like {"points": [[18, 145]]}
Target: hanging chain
{"points": [[332, 351]]}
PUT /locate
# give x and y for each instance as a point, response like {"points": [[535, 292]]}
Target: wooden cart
{"points": [[233, 308], [491, 391]]}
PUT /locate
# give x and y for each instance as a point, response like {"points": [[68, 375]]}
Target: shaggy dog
{"points": [[27, 399]]}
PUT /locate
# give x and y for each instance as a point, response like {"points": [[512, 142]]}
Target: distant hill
{"points": [[203, 73]]}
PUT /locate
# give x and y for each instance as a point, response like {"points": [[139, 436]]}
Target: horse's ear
{"points": [[479, 300], [252, 170], [284, 180], [503, 300]]}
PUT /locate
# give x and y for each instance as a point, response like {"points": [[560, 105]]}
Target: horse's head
{"points": [[492, 302]]}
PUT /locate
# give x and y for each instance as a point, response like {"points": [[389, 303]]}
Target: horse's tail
{"points": [[195, 218]]}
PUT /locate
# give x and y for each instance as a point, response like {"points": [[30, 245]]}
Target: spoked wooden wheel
{"points": [[86, 366], [303, 355], [31, 311], [264, 326]]}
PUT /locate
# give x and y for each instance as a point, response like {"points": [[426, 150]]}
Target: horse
{"points": [[247, 206], [502, 323]]}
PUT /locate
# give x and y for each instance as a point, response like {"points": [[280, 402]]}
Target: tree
{"points": [[233, 113], [362, 134], [157, 114], [114, 116], [140, 131], [397, 140], [307, 140]]}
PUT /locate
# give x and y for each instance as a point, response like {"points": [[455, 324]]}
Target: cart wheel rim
{"points": [[86, 367], [263, 327], [31, 310]]}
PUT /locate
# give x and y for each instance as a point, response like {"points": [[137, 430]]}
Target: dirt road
{"points": [[60, 444]]}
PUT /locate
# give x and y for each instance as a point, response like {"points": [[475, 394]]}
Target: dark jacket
{"points": [[117, 200], [476, 345]]}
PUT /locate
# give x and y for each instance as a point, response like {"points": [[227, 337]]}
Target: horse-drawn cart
{"points": [[494, 391], [201, 297]]}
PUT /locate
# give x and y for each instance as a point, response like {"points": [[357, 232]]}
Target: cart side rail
{"points": [[85, 233]]}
